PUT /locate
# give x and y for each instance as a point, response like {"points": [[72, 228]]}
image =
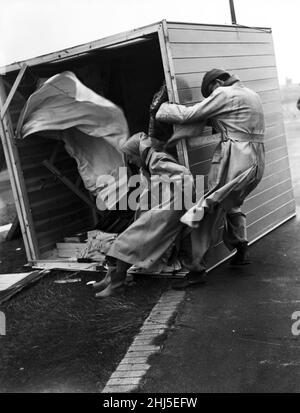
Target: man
{"points": [[236, 169]]}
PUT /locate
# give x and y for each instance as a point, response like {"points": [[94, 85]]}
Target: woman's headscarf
{"points": [[132, 145], [139, 144]]}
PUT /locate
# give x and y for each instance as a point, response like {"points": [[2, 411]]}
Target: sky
{"points": [[29, 28]]}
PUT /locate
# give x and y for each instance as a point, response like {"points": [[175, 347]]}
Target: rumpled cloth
{"points": [[94, 128]]}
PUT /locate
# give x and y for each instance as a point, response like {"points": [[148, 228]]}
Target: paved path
{"points": [[234, 335]]}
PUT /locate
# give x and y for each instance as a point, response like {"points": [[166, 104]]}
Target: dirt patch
{"points": [[62, 339]]}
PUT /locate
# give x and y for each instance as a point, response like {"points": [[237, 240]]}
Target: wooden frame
{"points": [[16, 176], [120, 38], [171, 83]]}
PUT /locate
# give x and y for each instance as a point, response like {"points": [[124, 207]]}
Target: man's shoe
{"points": [[241, 257], [192, 279]]}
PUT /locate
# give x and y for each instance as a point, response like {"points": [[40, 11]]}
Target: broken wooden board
{"points": [[8, 280], [163, 274], [64, 265], [10, 284]]}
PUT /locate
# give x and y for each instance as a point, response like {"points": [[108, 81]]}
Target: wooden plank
{"points": [[167, 60], [269, 180], [188, 80], [219, 253], [54, 200], [44, 176], [281, 212], [274, 190], [277, 165], [271, 107], [262, 85], [203, 64], [51, 192], [269, 206], [272, 118], [271, 168], [31, 161], [270, 220], [275, 142], [17, 181], [69, 184], [63, 265], [275, 130], [85, 48], [20, 284], [41, 225], [38, 169], [9, 280], [195, 144], [201, 155], [201, 168], [13, 91], [42, 214], [183, 50], [210, 36], [215, 27], [47, 239], [270, 96], [276, 154], [193, 95]]}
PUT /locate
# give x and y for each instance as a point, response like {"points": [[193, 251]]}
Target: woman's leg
{"points": [[116, 279]]}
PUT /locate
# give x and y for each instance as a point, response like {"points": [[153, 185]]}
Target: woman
{"points": [[155, 229]]}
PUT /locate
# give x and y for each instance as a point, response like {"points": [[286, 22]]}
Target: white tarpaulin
{"points": [[93, 126]]}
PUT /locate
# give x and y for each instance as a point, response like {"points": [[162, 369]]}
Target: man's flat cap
{"points": [[209, 77]]}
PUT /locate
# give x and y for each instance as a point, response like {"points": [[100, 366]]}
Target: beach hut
{"points": [[128, 68]]}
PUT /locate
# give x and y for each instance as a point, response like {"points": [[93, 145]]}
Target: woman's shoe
{"points": [[100, 285], [110, 290], [117, 280]]}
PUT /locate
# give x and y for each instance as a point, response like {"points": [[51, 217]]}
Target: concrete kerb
{"points": [[134, 365]]}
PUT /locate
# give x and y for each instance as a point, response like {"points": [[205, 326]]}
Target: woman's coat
{"points": [[145, 241]]}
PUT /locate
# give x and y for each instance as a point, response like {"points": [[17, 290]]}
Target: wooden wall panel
{"points": [[249, 54], [199, 64], [50, 201]]}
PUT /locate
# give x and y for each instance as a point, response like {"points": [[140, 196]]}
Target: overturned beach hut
{"points": [[128, 69]]}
